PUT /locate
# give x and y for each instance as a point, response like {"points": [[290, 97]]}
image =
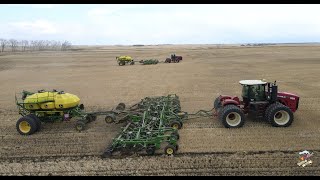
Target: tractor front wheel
{"points": [[231, 116], [26, 125], [279, 115]]}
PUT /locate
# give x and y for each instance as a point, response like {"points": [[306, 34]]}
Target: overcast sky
{"points": [[98, 24]]}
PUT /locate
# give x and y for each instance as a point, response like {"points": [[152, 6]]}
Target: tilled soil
{"points": [[205, 146]]}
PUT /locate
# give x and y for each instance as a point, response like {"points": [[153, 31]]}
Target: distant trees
{"points": [[13, 45], [3, 44]]}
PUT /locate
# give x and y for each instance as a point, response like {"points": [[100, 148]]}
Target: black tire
{"points": [[279, 115], [80, 126], [132, 63], [121, 107], [170, 150], [217, 103], [26, 125], [176, 135], [91, 117], [151, 150], [177, 147], [36, 120], [175, 124], [231, 116], [110, 118], [107, 154], [81, 106], [268, 111]]}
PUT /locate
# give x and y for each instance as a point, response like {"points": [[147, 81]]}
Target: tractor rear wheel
{"points": [[26, 125], [36, 120], [279, 115], [110, 118], [168, 60], [231, 116]]}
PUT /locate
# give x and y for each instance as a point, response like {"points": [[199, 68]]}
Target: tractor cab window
{"points": [[245, 91], [258, 92], [255, 92]]}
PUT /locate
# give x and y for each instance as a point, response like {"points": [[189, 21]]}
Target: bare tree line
{"points": [[13, 45]]}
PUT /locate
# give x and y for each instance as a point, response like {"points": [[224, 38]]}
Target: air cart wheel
{"points": [[80, 125], [81, 106], [26, 125], [110, 118], [169, 150], [36, 120], [91, 117]]}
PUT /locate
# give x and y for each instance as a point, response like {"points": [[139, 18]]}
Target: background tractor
{"points": [[174, 59], [49, 106], [261, 100], [123, 60]]}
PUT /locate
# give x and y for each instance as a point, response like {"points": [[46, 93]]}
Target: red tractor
{"points": [[173, 59], [260, 99]]}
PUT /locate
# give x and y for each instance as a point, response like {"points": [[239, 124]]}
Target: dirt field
{"points": [[206, 147]]}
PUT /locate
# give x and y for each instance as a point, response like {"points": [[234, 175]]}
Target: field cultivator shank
{"points": [[158, 124]]}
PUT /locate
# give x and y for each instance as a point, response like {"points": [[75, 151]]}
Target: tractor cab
{"points": [[253, 90], [258, 90]]}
